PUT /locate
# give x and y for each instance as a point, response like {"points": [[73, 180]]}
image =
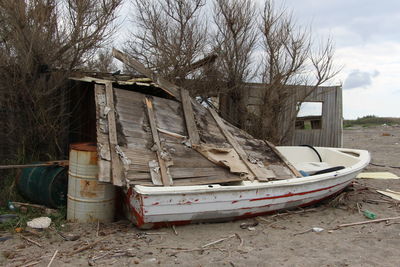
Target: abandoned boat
{"points": [[180, 162], [150, 207]]}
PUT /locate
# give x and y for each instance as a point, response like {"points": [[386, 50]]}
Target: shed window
{"points": [[309, 116]]}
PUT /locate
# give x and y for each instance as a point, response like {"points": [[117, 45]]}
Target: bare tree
{"points": [[291, 59], [41, 42], [103, 61], [169, 36], [235, 40]]}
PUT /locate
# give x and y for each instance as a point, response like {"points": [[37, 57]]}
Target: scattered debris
{"points": [[390, 193], [369, 214], [314, 229], [218, 241], [52, 258], [5, 238], [249, 226], [31, 241], [39, 223], [88, 246], [377, 175], [386, 166], [7, 217], [68, 237], [174, 229], [366, 222]]}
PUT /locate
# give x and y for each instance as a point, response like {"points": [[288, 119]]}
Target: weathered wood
{"points": [[284, 159], [191, 181], [163, 168], [103, 146], [155, 172], [117, 171], [367, 222], [139, 67], [48, 163], [176, 135], [189, 117], [242, 154]]}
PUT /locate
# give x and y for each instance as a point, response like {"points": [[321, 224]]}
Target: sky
{"points": [[367, 40]]}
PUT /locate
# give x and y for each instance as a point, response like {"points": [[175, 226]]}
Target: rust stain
{"points": [[93, 158], [234, 201], [90, 189], [155, 203], [90, 147]]}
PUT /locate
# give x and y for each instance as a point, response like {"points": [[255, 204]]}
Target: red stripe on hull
{"points": [[154, 225], [298, 194]]}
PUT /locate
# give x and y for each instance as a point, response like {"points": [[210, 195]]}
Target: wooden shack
{"points": [[151, 132], [323, 129]]}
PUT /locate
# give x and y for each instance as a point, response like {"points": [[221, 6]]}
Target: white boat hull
{"points": [[150, 207]]}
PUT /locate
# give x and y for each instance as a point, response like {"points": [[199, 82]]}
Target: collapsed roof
{"points": [[172, 140]]}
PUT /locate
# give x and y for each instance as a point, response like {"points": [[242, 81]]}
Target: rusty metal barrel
{"points": [[88, 199]]}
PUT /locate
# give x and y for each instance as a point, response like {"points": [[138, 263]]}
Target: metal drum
{"points": [[46, 185], [88, 199]]}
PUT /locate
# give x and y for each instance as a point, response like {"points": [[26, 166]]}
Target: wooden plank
{"points": [[167, 181], [155, 172], [117, 171], [103, 146], [189, 117], [242, 154], [139, 67], [284, 159]]}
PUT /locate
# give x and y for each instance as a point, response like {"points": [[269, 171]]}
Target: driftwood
{"points": [[367, 222], [91, 245], [31, 241]]}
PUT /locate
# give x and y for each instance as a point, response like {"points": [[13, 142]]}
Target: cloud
{"points": [[358, 78]]}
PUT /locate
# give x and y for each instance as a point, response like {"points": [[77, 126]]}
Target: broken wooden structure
{"points": [[151, 132], [324, 130]]}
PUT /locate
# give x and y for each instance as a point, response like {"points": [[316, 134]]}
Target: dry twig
{"points": [[32, 241], [52, 258], [218, 241], [91, 245]]}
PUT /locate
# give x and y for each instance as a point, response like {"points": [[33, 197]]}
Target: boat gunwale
{"points": [[364, 159]]}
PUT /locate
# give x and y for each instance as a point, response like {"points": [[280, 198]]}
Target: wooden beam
{"points": [[284, 159], [166, 179], [167, 86], [242, 154], [116, 164], [103, 144], [202, 62], [189, 117]]}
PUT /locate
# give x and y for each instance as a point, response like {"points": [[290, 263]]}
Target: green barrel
{"points": [[46, 185]]}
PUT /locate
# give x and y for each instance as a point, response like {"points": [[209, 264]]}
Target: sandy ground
{"points": [[273, 241]]}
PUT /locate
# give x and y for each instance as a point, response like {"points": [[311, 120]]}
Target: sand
{"points": [[284, 240]]}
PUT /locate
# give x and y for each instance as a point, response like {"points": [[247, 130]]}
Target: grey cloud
{"points": [[368, 20], [359, 78]]}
